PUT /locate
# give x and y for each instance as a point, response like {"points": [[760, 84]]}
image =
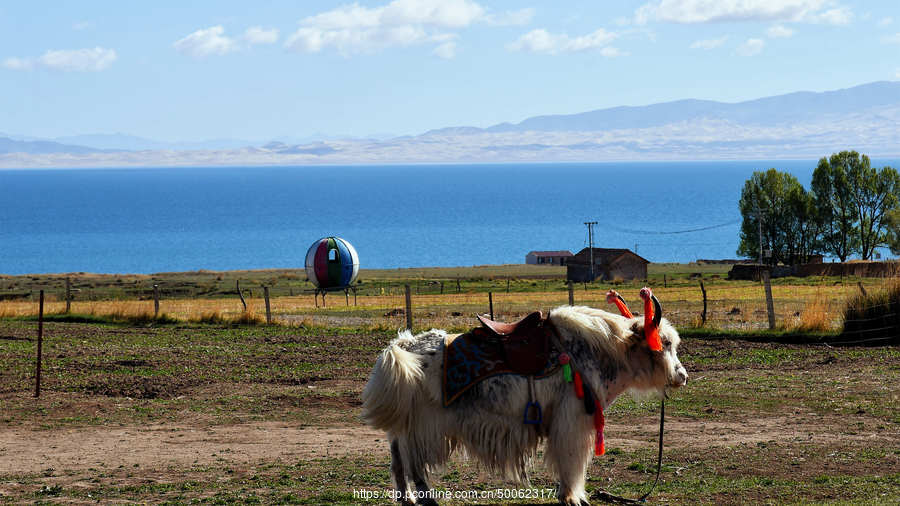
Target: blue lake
{"points": [[156, 220]]}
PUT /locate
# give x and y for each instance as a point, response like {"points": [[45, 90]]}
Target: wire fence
{"points": [[450, 304]]}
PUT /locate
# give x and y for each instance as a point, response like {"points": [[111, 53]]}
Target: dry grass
{"points": [[248, 317], [802, 306], [815, 316], [874, 315]]}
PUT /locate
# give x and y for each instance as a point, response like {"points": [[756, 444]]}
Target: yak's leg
{"points": [[401, 486], [569, 451], [422, 486]]}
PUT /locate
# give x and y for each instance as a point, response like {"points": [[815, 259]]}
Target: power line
{"points": [[657, 232]]}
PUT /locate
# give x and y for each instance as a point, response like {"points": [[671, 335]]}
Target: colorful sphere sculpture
{"points": [[332, 263]]}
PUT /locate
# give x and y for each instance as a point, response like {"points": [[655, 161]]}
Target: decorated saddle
{"points": [[522, 348]]}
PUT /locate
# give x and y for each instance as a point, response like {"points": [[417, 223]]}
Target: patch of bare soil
{"points": [[33, 451]]}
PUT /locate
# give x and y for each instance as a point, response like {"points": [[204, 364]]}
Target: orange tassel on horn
{"points": [[613, 297], [651, 330]]}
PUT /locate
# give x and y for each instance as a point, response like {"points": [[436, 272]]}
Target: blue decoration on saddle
{"points": [[469, 361]]}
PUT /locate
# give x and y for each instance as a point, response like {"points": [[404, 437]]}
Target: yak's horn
{"points": [[657, 311], [613, 297], [652, 315]]}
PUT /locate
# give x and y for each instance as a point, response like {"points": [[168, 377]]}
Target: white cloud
{"points": [[447, 50], [78, 60], [711, 11], [779, 32], [897, 74], [347, 42], [542, 41], [18, 64], [259, 35], [353, 29], [611, 52], [751, 47], [838, 16], [206, 42], [708, 43], [511, 18], [886, 21], [891, 39]]}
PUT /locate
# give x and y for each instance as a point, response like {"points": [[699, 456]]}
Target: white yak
{"points": [[613, 355]]}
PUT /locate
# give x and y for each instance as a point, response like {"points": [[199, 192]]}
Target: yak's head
{"points": [[654, 345]]}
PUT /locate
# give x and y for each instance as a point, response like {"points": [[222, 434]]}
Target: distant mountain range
{"points": [[802, 106], [795, 125], [8, 145]]}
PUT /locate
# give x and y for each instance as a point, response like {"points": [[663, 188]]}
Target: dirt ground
{"points": [[81, 449]]}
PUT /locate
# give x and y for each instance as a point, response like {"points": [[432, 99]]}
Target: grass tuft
{"points": [[815, 316], [248, 317], [874, 316]]}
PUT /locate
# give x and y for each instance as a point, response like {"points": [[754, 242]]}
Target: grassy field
{"points": [[206, 404], [184, 413], [443, 297]]}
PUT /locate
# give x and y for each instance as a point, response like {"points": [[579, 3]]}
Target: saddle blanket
{"points": [[468, 361]]}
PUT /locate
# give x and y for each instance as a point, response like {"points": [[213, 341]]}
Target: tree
{"points": [[834, 206], [874, 194], [853, 200], [892, 230], [802, 226], [777, 209]]}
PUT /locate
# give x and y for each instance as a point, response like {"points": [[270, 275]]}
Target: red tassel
{"points": [[599, 423], [579, 387], [651, 331], [612, 297]]}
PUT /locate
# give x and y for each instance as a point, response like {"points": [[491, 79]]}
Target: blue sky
{"points": [[260, 70]]}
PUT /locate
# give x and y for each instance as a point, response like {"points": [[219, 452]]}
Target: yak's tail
{"points": [[393, 387]]}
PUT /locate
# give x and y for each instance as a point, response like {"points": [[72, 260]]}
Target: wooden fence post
{"points": [[770, 304], [571, 294], [68, 295], [666, 283], [408, 310], [457, 285], [40, 343], [237, 286], [491, 304], [268, 307], [703, 314], [862, 289], [507, 285], [156, 301], [442, 288]]}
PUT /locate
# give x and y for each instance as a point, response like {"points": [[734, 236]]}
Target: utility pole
{"points": [[759, 227], [590, 225]]}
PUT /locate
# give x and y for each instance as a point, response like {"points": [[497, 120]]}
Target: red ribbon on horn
{"points": [[651, 331], [613, 297]]}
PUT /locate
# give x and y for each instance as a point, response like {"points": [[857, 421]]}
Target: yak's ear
{"points": [[652, 317], [613, 297]]}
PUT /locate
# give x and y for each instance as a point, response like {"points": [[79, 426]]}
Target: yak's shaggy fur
{"points": [[403, 398]]}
